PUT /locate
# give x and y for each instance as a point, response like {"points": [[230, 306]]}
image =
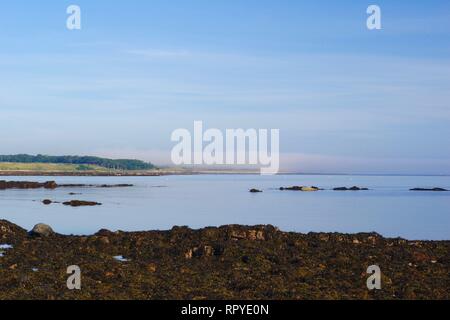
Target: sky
{"points": [[345, 98]]}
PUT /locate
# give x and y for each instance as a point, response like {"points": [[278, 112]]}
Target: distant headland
{"points": [[46, 165], [25, 164]]}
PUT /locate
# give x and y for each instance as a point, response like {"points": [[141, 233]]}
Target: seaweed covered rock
{"points": [[231, 262], [9, 232], [79, 203], [27, 185], [53, 185], [258, 233]]}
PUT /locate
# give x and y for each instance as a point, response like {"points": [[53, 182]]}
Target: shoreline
{"points": [[228, 262], [155, 173], [187, 172]]}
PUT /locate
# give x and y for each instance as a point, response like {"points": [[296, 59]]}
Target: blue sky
{"points": [[346, 99]]}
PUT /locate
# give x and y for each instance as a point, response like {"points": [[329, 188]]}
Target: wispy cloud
{"points": [[157, 53]]}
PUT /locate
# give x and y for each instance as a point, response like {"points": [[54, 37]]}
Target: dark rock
{"points": [[50, 185], [42, 230], [219, 250], [350, 189], [255, 191], [27, 185], [53, 185], [433, 189], [104, 233], [300, 188], [47, 202], [79, 203]]}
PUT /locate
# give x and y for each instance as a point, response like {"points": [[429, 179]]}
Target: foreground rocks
{"points": [[230, 262]]}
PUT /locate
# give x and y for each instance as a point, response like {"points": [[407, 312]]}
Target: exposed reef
{"points": [[53, 185], [27, 185], [230, 262]]}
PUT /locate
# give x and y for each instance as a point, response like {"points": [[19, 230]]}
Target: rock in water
{"points": [[79, 203], [351, 189], [301, 188], [255, 191], [433, 189], [42, 230], [47, 202], [50, 185]]}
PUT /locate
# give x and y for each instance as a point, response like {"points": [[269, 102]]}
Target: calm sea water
{"points": [[214, 200]]}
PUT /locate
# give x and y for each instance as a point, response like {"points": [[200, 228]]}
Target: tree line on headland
{"points": [[119, 164]]}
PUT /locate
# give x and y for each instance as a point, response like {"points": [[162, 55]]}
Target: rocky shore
{"points": [[230, 262]]}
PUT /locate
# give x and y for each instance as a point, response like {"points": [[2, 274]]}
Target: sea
{"points": [[160, 203]]}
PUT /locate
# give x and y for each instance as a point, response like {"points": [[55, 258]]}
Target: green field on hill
{"points": [[70, 163], [50, 167]]}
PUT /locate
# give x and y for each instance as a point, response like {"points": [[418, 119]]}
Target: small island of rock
{"points": [[302, 188]]}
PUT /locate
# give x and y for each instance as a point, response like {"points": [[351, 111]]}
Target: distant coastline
{"points": [[131, 173], [84, 166], [183, 171]]}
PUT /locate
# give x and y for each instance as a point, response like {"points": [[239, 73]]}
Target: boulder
{"points": [[255, 191], [42, 230]]}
